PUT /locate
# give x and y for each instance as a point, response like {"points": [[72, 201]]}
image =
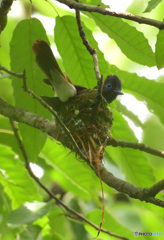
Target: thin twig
{"points": [[80, 216], [107, 11], [140, 146], [19, 75], [93, 52]]}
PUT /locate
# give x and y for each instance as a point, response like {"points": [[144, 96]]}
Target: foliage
{"points": [[25, 211]]}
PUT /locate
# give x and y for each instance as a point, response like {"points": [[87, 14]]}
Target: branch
{"points": [[80, 216], [140, 146], [33, 120], [4, 9], [156, 188], [19, 75], [23, 116], [107, 11], [93, 52], [143, 194]]}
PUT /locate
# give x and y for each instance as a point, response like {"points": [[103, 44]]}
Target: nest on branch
{"points": [[88, 122]]}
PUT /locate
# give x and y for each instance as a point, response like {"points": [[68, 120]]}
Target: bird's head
{"points": [[112, 88]]}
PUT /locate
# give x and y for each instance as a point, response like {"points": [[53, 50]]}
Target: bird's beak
{"points": [[118, 92]]}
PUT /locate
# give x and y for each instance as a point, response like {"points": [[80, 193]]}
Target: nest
{"points": [[88, 122]]}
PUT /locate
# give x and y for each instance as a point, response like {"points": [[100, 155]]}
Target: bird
{"points": [[60, 82]]}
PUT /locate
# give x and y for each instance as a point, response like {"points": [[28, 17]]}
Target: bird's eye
{"points": [[109, 85]]}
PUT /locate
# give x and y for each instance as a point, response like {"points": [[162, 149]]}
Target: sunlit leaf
{"points": [[151, 5], [77, 61], [131, 42]]}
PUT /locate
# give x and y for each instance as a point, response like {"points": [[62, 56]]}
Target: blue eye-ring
{"points": [[109, 85]]}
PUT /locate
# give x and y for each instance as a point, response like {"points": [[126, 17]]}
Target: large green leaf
{"points": [[151, 5], [77, 61], [22, 58], [159, 53], [71, 174], [131, 42], [133, 163], [13, 176]]}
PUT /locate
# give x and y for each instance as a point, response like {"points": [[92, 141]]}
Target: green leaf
{"points": [[133, 163], [14, 178], [159, 51], [71, 174], [131, 42], [22, 58], [109, 223], [77, 61], [28, 213], [151, 5]]}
